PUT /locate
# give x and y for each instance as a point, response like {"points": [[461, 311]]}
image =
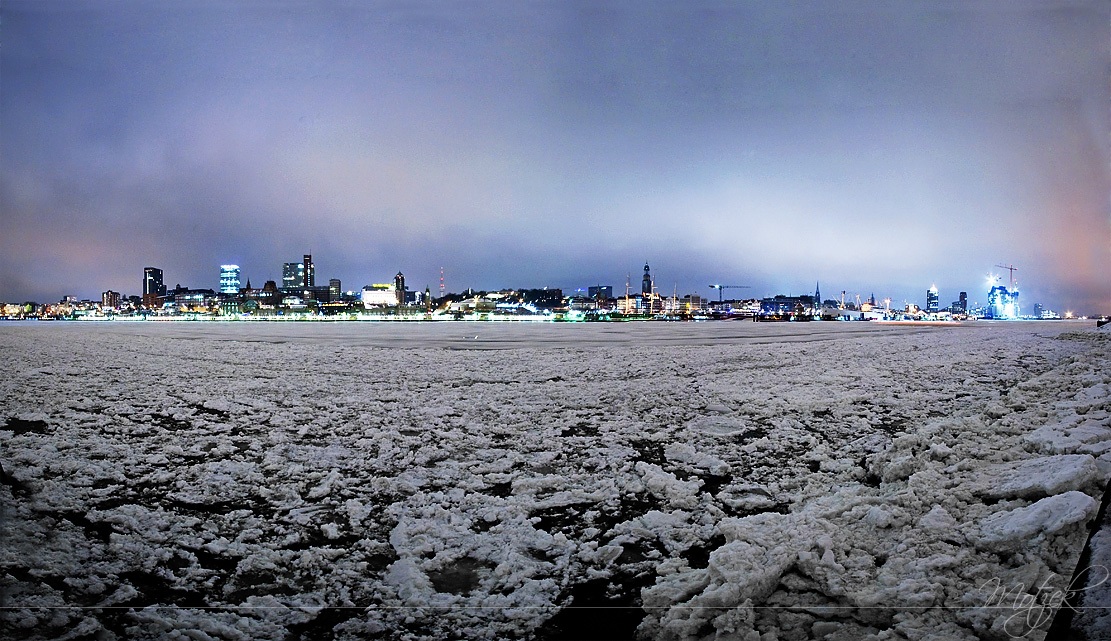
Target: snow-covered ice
{"points": [[704, 480]]}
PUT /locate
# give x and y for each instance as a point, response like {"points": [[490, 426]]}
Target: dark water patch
{"points": [[649, 452], [381, 561], [322, 627], [752, 434], [500, 490], [461, 577], [202, 410], [698, 556], [256, 583], [559, 518], [581, 428], [99, 530], [713, 483], [212, 507], [826, 413], [19, 488], [24, 575], [892, 424], [154, 589], [20, 426], [169, 423], [599, 609], [814, 466], [630, 508]]}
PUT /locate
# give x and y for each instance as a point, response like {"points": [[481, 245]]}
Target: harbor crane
{"points": [[721, 290], [1012, 269]]}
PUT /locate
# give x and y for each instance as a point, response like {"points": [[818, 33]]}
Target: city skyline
{"points": [[864, 145]]}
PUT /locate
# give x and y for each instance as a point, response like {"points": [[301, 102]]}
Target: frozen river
{"points": [[546, 481]]}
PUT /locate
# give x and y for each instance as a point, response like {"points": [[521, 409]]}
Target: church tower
{"points": [[646, 282]]}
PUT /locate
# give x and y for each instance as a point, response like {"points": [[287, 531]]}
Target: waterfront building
{"points": [[932, 299], [399, 287], [293, 277], [646, 282], [308, 272], [229, 279], [783, 307], [110, 300], [960, 306], [379, 295], [1002, 303], [600, 291], [153, 287], [335, 292]]}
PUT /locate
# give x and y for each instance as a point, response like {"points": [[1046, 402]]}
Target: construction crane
{"points": [[721, 290], [1012, 269]]}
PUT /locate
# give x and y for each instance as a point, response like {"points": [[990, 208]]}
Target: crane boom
{"points": [[721, 289], [1012, 269]]}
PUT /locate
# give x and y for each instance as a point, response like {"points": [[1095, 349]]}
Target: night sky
{"points": [[872, 146]]}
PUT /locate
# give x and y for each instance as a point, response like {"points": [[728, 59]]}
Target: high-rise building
{"points": [[110, 300], [152, 282], [229, 279], [399, 287], [1039, 311], [309, 272], [600, 291], [293, 277], [153, 287], [932, 305], [335, 292], [1002, 303]]}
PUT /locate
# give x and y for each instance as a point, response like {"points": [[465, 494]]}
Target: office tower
{"points": [[110, 299], [335, 292], [308, 272], [293, 276], [600, 291], [229, 279], [963, 300], [152, 282], [932, 298], [399, 287]]}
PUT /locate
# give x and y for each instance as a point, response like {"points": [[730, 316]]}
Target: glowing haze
{"points": [[872, 146]]}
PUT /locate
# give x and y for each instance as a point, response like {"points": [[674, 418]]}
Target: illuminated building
{"points": [[646, 282], [932, 305], [153, 287], [600, 291], [782, 307], [293, 277], [379, 295], [960, 306], [399, 287], [229, 279], [1002, 303], [110, 300], [335, 292], [308, 272]]}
